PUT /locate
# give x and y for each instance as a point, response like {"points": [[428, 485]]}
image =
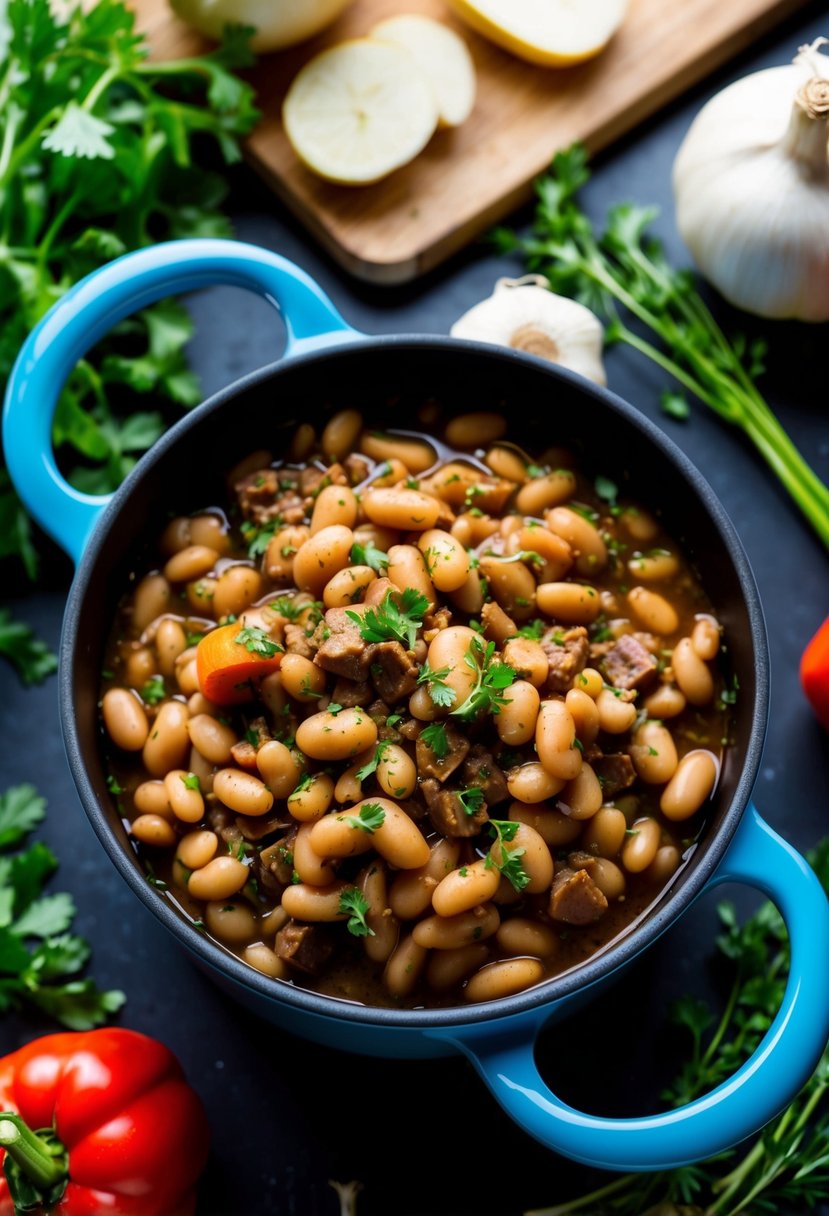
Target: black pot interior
{"points": [[389, 380]]}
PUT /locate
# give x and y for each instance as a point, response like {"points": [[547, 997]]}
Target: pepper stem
{"points": [[44, 1164]]}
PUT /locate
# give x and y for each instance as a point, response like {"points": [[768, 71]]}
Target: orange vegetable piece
{"points": [[814, 673], [232, 659]]}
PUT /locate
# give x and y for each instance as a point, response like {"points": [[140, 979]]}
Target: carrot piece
{"points": [[231, 660], [814, 673]]}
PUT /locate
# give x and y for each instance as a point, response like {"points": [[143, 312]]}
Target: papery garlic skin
{"points": [[525, 315], [751, 184]]}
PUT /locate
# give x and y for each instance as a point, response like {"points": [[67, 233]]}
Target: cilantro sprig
{"points": [[369, 555], [390, 623], [370, 765], [623, 275], [491, 679], [355, 905], [41, 958], [371, 817], [471, 799], [434, 736], [31, 657]]}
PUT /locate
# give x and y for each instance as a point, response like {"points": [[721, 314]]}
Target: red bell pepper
{"points": [[814, 673], [99, 1123]]}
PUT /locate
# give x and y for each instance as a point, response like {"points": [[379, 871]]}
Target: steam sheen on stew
{"points": [[414, 724]]}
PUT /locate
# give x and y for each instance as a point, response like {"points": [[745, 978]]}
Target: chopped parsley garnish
{"points": [[258, 642], [355, 905], [434, 736], [287, 607], [490, 681], [535, 470], [471, 799], [333, 708], [370, 766], [191, 781], [369, 555], [533, 629], [510, 865], [193, 638], [393, 719], [304, 783], [388, 623], [728, 696], [258, 539], [439, 690], [606, 489], [371, 817], [153, 691], [112, 785]]}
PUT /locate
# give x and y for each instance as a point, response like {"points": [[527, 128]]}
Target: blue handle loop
{"points": [[738, 1108], [89, 310]]}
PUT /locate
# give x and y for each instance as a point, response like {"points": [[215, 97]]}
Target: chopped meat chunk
{"points": [[278, 859], [357, 468], [342, 650], [497, 625], [410, 729], [313, 479], [297, 641], [429, 765], [306, 947], [615, 773], [257, 494], [481, 770], [434, 622], [628, 664], [244, 754], [567, 652], [393, 672], [349, 693], [256, 827], [575, 899], [447, 812]]}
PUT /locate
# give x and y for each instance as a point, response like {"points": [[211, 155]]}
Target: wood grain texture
{"points": [[468, 178]]}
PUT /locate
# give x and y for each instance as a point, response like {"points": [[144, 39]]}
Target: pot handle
{"points": [[739, 1107], [89, 310]]}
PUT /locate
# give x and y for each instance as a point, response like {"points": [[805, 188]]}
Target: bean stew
{"points": [[415, 721]]}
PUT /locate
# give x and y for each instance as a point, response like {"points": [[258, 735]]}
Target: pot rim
{"points": [[634, 939]]}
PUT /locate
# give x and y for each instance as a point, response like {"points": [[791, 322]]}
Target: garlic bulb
{"points": [[278, 23], [751, 184], [526, 315]]}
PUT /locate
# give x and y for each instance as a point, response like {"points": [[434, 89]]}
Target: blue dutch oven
{"points": [[328, 365]]}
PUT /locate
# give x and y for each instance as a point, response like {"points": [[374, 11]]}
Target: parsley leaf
{"points": [[369, 555], [36, 949], [258, 539], [370, 766], [370, 818], [31, 657], [508, 861], [103, 153], [354, 903], [533, 629], [434, 736], [190, 781], [490, 682], [388, 623], [258, 642], [440, 692], [153, 691], [471, 799]]}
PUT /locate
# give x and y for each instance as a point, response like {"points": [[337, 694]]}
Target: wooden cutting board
{"points": [[468, 178]]}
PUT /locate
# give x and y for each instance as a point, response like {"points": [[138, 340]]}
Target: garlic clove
{"points": [[525, 315]]}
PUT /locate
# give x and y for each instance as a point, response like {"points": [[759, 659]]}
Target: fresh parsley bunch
{"points": [[39, 958], [99, 154]]}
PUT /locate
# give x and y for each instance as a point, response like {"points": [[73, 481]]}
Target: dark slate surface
{"points": [[426, 1138]]}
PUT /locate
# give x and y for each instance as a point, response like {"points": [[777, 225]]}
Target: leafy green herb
{"points": [[38, 953], [114, 786], [388, 623], [439, 690], [191, 781], [304, 783], [333, 708], [258, 642], [371, 817], [606, 489], [622, 273], [785, 1168], [471, 799], [258, 539], [675, 406], [98, 158], [510, 866], [31, 657], [370, 766], [153, 691], [490, 681], [369, 555], [434, 736], [353, 902], [533, 629], [286, 606], [393, 719]]}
